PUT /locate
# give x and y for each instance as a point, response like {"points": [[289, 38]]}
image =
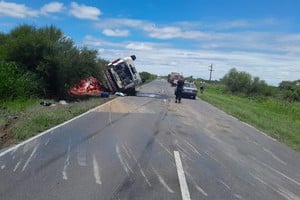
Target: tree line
{"points": [[43, 62], [243, 83]]}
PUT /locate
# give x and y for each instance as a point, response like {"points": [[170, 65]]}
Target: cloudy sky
{"points": [[261, 37]]}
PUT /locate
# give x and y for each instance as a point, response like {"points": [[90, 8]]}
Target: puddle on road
{"points": [[152, 95]]}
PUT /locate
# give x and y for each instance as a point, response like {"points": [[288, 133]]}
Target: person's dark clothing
{"points": [[179, 89]]}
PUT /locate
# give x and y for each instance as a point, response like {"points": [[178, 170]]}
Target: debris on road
{"points": [[120, 94], [45, 103]]}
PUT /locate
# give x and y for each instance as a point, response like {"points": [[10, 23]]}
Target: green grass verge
{"points": [[279, 119]]}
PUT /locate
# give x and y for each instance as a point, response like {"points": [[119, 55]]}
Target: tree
{"points": [[146, 76], [15, 83], [290, 90], [237, 81], [242, 82]]}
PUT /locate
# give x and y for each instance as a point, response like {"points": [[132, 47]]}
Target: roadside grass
{"points": [[31, 118], [279, 119]]}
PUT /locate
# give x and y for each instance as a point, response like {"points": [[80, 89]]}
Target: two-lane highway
{"points": [[148, 147]]}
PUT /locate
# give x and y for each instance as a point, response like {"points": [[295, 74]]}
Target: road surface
{"points": [[148, 147]]}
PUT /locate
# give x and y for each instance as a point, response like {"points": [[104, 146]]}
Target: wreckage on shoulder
{"points": [[119, 76]]}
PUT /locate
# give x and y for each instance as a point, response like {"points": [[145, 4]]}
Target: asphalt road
{"points": [[148, 147]]}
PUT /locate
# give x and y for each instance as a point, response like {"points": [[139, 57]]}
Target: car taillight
{"points": [[194, 90]]}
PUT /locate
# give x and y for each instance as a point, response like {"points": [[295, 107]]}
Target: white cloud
{"points": [[244, 24], [122, 22], [115, 32], [84, 12], [169, 32], [16, 10], [99, 43], [160, 59], [53, 7], [138, 46]]}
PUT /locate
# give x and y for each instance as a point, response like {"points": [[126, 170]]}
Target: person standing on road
{"points": [[178, 91], [202, 85]]}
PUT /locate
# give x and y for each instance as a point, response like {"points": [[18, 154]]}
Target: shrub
{"points": [[16, 84], [242, 82], [290, 90]]}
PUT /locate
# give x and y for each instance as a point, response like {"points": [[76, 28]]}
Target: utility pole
{"points": [[211, 69]]}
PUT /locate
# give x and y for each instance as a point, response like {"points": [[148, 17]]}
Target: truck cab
{"points": [[122, 75]]}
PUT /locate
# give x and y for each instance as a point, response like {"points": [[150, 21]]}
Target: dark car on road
{"points": [[189, 90]]}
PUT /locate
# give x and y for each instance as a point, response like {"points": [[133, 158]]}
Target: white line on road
{"points": [[182, 181]]}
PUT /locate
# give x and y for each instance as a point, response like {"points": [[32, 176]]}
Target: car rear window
{"points": [[190, 85]]}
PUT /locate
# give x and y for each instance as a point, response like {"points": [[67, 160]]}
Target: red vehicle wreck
{"points": [[119, 76]]}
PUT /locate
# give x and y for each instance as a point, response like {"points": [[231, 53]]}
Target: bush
{"points": [[16, 84], [290, 90], [242, 82], [237, 82], [146, 76]]}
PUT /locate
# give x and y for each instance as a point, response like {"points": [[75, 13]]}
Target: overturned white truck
{"points": [[122, 76]]}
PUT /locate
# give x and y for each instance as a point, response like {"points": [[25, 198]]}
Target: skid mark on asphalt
{"points": [[189, 146], [162, 181], [30, 157], [47, 142], [96, 171], [288, 194], [17, 166], [165, 148], [123, 161], [274, 156], [238, 196], [126, 151], [138, 164], [276, 171], [81, 157], [198, 188], [192, 147], [223, 183], [281, 191], [184, 152], [67, 163]]}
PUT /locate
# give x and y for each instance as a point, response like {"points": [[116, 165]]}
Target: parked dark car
{"points": [[189, 90]]}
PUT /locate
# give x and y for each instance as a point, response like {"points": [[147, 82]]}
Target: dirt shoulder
{"points": [[6, 135]]}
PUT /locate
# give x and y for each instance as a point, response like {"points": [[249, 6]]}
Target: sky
{"points": [[260, 37]]}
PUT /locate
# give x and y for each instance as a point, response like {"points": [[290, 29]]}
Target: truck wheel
{"points": [[131, 92]]}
